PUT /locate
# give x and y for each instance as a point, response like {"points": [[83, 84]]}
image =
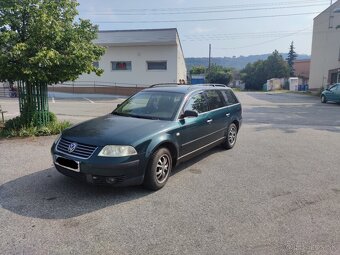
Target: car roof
{"points": [[185, 89]]}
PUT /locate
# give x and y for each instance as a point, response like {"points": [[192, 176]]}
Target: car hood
{"points": [[115, 130]]}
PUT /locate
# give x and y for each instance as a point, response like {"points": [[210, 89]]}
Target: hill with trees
{"points": [[234, 62]]}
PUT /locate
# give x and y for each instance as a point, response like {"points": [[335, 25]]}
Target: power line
{"points": [[206, 12], [199, 20], [217, 7], [261, 43]]}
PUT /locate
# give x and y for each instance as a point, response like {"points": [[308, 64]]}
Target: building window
{"points": [[156, 65], [96, 64], [121, 65], [331, 21]]}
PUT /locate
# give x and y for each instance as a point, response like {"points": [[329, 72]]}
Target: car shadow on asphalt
{"points": [[49, 195]]}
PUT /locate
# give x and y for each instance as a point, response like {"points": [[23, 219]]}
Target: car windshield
{"points": [[151, 105]]}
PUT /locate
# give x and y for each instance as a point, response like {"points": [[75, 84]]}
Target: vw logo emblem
{"points": [[72, 147]]}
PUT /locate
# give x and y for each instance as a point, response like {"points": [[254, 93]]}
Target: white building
{"points": [[139, 57], [325, 62]]}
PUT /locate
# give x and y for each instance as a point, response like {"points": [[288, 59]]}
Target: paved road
{"points": [[276, 192]]}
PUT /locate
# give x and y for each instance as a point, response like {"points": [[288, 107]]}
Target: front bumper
{"points": [[123, 171]]}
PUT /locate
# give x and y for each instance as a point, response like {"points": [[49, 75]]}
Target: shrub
{"points": [[16, 128]]}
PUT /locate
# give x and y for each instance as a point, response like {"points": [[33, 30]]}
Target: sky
{"points": [[232, 27]]}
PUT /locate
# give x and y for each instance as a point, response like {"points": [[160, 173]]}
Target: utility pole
{"points": [[209, 57], [331, 2]]}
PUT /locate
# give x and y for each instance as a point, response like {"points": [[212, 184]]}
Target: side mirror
{"points": [[189, 113], [118, 105]]}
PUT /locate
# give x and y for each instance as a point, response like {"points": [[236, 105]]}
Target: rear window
{"points": [[230, 97]]}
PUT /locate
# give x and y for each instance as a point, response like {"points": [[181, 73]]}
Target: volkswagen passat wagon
{"points": [[147, 135]]}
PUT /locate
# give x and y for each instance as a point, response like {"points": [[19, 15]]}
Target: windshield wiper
{"points": [[144, 117], [120, 114]]}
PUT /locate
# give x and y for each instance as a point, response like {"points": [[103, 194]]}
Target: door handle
{"points": [[228, 115], [209, 121]]}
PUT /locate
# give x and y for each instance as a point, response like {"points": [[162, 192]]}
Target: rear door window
{"points": [[215, 99]]}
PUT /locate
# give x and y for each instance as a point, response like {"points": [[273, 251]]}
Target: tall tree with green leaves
{"points": [[198, 70], [290, 59], [41, 43], [256, 74], [219, 74]]}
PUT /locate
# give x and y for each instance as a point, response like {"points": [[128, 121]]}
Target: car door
{"points": [[217, 117], [192, 131], [331, 93], [234, 109], [337, 93]]}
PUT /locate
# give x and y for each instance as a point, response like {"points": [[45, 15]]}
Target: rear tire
{"points": [[323, 99], [158, 170], [231, 138]]}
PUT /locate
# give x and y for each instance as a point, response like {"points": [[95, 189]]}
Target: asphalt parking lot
{"points": [[276, 192]]}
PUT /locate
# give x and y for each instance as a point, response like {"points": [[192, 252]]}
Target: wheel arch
{"points": [[168, 145]]}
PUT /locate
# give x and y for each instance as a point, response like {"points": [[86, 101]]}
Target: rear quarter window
{"points": [[230, 97]]}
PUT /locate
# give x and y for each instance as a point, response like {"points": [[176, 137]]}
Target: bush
{"points": [[16, 127]]}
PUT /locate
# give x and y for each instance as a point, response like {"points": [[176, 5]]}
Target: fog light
{"points": [[110, 180]]}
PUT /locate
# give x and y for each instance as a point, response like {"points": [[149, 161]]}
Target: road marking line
{"points": [[88, 100]]}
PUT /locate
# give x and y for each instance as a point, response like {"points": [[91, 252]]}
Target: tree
{"points": [[198, 70], [219, 74], [42, 44], [290, 59], [276, 66], [254, 75]]}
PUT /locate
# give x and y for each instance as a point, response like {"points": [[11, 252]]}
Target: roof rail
{"points": [[216, 85], [164, 85]]}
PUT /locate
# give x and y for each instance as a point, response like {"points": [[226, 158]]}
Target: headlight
{"points": [[117, 151]]}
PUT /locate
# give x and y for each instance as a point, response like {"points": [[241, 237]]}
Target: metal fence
{"points": [[4, 90], [96, 87], [80, 87]]}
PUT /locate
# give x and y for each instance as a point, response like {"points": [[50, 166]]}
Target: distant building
{"points": [[302, 70], [325, 62], [139, 57]]}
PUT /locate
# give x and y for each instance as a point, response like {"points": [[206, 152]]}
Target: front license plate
{"points": [[67, 163]]}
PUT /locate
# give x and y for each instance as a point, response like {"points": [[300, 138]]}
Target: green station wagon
{"points": [[332, 94], [146, 136]]}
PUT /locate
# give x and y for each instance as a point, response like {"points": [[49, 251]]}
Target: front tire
{"points": [[158, 170], [323, 99], [231, 138]]}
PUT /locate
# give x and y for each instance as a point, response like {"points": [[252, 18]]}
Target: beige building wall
{"points": [[325, 58], [138, 75], [181, 66]]}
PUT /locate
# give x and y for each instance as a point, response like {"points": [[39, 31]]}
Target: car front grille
{"points": [[81, 151]]}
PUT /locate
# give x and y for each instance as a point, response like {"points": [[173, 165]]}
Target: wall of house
{"points": [[325, 47], [181, 66], [138, 75], [302, 68]]}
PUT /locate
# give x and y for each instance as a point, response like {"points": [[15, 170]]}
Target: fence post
{"points": [[73, 87]]}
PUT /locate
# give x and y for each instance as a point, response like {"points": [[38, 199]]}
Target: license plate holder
{"points": [[67, 163]]}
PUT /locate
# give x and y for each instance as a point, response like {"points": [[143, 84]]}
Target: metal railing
{"points": [[4, 90], [97, 87]]}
